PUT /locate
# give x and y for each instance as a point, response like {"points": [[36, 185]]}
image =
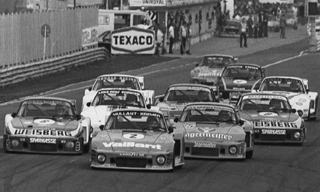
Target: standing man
{"points": [[265, 24], [183, 37], [261, 24], [243, 32], [250, 26], [171, 37], [188, 40], [283, 24]]}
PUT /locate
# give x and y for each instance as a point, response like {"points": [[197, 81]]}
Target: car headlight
{"points": [[297, 135], [233, 150], [15, 143], [101, 158], [70, 144], [161, 159], [300, 113]]}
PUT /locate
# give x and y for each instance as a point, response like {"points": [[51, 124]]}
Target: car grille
{"points": [[205, 151], [43, 147], [131, 162], [272, 137]]}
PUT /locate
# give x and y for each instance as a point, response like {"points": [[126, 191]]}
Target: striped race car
{"points": [[210, 67], [117, 81], [215, 131], [137, 139], [274, 121], [296, 90], [46, 125], [239, 78]]}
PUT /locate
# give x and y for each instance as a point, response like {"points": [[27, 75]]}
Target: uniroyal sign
{"points": [[132, 40]]}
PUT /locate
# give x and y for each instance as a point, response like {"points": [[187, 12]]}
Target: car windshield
{"points": [[46, 108], [188, 94], [136, 120], [242, 72], [208, 113], [282, 84], [114, 98], [216, 61], [264, 103], [116, 82]]}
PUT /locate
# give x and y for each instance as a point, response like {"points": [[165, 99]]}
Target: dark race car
{"points": [[210, 67], [239, 78], [274, 121]]}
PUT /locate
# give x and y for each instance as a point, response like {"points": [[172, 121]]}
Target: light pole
{"points": [[225, 6]]}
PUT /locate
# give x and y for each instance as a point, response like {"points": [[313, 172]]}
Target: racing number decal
{"points": [[133, 136]]}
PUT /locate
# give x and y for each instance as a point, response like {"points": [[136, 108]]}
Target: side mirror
{"points": [[293, 110], [197, 64], [176, 119], [14, 114], [78, 117], [101, 127], [307, 90], [148, 106], [88, 104], [161, 99], [170, 129], [90, 88], [241, 122]]}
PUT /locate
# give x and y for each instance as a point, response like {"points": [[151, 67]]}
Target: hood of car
{"points": [[214, 132], [238, 83], [133, 141], [269, 116]]}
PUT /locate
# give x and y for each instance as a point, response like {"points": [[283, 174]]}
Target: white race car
{"points": [[296, 90], [117, 81], [107, 100]]}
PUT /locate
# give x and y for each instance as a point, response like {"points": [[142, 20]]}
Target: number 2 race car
{"points": [[118, 81], [214, 130], [46, 125], [274, 121], [297, 91], [137, 139]]}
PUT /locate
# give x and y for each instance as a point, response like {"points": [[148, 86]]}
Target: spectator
{"points": [[243, 32], [188, 40], [261, 19], [171, 37], [265, 24], [283, 24], [250, 26], [183, 37]]}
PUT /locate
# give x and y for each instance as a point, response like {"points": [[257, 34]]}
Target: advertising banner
{"points": [[90, 36], [151, 3], [133, 40]]}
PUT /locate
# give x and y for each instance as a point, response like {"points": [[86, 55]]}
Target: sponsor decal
{"points": [[270, 119], [44, 121], [190, 88], [206, 129], [209, 135], [119, 91], [217, 108], [41, 132], [208, 74], [179, 107], [50, 102], [133, 136], [132, 154], [40, 140], [264, 96], [189, 126], [266, 124], [240, 81], [122, 78], [138, 113], [273, 132], [239, 88], [131, 144], [205, 145], [268, 114], [243, 66]]}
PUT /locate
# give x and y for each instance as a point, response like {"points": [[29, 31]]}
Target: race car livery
{"points": [[274, 121], [137, 139], [107, 100], [214, 130], [178, 96], [210, 67], [118, 81], [239, 78], [46, 125], [296, 90]]}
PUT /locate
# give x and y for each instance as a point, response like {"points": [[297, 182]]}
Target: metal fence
{"points": [[30, 37]]}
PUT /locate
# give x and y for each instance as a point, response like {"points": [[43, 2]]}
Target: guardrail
{"points": [[11, 74]]}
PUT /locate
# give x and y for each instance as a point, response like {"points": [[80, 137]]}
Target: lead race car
{"points": [[137, 139], [215, 130], [296, 90], [239, 78], [178, 96], [46, 125], [210, 67], [273, 118], [107, 100], [118, 81]]}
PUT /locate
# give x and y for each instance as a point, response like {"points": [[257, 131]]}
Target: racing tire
{"points": [[249, 154], [314, 118], [173, 162], [86, 148]]}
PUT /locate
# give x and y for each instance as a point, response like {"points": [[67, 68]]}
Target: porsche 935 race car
{"points": [[296, 90], [118, 81], [178, 96], [137, 139], [274, 121], [210, 67], [214, 130], [239, 78], [46, 125], [107, 100]]}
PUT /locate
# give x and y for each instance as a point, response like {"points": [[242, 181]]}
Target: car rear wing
{"points": [[305, 82], [141, 81]]}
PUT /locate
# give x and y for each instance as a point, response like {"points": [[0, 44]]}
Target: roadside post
{"points": [[45, 33]]}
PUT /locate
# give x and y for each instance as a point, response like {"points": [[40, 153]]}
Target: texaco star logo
{"points": [[206, 129]]}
